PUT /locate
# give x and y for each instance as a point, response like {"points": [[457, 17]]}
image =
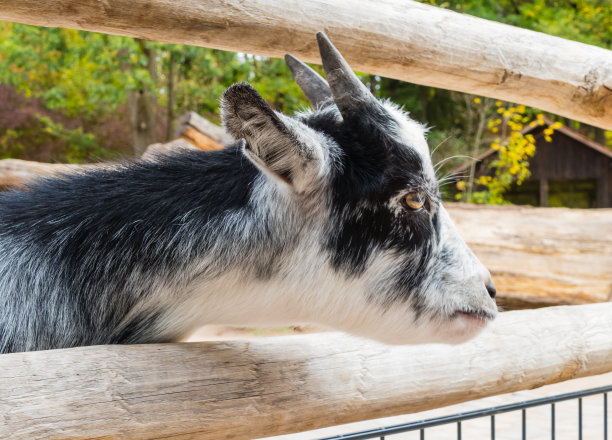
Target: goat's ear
{"points": [[270, 143]]}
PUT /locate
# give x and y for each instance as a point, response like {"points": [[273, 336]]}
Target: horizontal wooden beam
{"points": [[257, 388], [395, 38], [541, 256]]}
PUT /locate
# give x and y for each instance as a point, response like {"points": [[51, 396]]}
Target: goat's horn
{"points": [[347, 90], [313, 85]]}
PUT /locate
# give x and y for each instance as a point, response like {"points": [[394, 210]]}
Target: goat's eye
{"points": [[415, 200]]}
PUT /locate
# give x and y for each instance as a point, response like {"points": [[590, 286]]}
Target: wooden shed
{"points": [[571, 170]]}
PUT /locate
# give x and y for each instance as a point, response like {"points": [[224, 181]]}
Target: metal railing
{"points": [[381, 433]]}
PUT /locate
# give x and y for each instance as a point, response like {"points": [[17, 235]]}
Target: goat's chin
{"points": [[455, 330], [462, 327]]}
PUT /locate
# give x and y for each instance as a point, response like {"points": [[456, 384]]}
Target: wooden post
{"points": [[247, 389], [602, 191], [395, 38], [543, 192]]}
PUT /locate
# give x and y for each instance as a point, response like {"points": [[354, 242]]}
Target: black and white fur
{"points": [[302, 220]]}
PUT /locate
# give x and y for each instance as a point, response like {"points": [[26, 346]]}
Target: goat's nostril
{"points": [[491, 288]]}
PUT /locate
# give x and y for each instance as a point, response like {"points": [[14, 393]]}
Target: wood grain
{"points": [[395, 38], [541, 256], [271, 386], [14, 173], [201, 132]]}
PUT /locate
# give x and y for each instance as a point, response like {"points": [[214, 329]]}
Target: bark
{"points": [[142, 106], [171, 97]]}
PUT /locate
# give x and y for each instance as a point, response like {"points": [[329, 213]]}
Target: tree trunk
{"points": [[142, 107], [600, 135], [482, 119], [171, 98], [423, 92]]}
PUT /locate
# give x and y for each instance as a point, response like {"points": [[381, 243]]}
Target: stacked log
{"points": [[15, 173], [541, 256], [201, 132]]}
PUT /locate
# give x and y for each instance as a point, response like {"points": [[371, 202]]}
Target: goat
{"points": [[332, 217]]}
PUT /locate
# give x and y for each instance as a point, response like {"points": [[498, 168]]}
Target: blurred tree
{"points": [[90, 77], [127, 93]]}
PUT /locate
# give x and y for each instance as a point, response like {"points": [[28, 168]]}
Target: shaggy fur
{"points": [[302, 220]]}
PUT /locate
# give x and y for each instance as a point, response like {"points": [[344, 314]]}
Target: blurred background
{"points": [[77, 97]]}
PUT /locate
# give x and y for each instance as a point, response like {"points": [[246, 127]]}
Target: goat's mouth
{"points": [[477, 318]]}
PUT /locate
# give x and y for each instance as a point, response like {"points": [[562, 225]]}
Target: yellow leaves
{"points": [[515, 126], [513, 153], [461, 185], [477, 100], [550, 129], [498, 103]]}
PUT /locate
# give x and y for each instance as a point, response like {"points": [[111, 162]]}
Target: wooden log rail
{"points": [[541, 256], [257, 388], [395, 38]]}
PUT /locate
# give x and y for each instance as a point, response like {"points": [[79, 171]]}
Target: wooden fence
{"points": [[246, 389]]}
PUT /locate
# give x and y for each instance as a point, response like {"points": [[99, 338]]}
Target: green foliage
{"points": [[10, 146], [88, 77], [79, 146], [74, 71], [85, 80], [204, 74]]}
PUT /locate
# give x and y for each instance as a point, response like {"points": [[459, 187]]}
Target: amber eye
{"points": [[415, 200]]}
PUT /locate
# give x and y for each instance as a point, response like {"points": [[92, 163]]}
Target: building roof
{"points": [[563, 129]]}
